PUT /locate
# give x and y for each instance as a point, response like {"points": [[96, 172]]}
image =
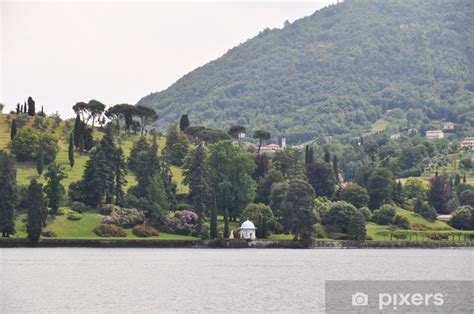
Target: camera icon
{"points": [[360, 299]]}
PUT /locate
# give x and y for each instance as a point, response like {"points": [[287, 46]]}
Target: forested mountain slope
{"points": [[336, 71]]}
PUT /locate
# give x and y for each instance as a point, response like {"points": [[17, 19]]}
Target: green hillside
{"points": [[27, 170], [336, 71]]}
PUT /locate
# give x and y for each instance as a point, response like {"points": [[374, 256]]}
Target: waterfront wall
{"points": [[234, 244]]}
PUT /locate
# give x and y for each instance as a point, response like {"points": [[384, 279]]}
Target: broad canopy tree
{"points": [[231, 171]]}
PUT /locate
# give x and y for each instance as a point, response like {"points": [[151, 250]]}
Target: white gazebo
{"points": [[247, 230]]}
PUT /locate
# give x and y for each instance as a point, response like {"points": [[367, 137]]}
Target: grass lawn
{"points": [[82, 229], [380, 125], [413, 218]]}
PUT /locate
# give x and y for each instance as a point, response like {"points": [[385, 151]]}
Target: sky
{"points": [[61, 53]]}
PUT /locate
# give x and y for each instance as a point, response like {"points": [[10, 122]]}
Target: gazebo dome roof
{"points": [[247, 225]]}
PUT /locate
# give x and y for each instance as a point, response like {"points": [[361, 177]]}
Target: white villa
{"points": [[434, 134], [270, 148], [395, 136], [448, 126], [247, 230], [468, 142]]}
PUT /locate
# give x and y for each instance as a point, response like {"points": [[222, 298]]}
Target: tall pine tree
{"points": [[196, 175], [40, 160], [184, 122], [36, 207], [54, 189], [71, 150], [13, 130], [8, 194]]}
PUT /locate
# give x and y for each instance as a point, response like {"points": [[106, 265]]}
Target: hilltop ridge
{"points": [[336, 71]]}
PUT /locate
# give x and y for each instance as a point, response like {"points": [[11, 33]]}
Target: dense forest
{"points": [[336, 71]]}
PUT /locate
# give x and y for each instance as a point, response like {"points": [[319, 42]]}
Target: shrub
{"points": [[143, 231], [320, 231], [401, 222], [61, 212], [463, 218], [384, 215], [74, 216], [107, 209], [183, 206], [187, 216], [49, 234], [204, 233], [78, 207], [124, 217], [438, 236], [103, 230]]}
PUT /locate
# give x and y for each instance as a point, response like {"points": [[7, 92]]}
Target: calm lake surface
{"points": [[207, 280]]}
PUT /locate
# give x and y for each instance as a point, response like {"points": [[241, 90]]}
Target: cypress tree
{"points": [[81, 144], [31, 107], [213, 225], [71, 150], [18, 108], [120, 181], [40, 160], [226, 224], [335, 168], [311, 154], [457, 179], [36, 206], [184, 122], [54, 188], [13, 130], [263, 227], [327, 156], [77, 130], [306, 154], [464, 179], [24, 107], [8, 194]]}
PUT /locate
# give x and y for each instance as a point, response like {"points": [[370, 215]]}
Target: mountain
{"points": [[336, 71]]}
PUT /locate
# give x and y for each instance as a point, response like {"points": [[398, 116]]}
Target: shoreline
{"points": [[234, 244]]}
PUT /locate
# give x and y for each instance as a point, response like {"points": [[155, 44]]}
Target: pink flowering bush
{"points": [[182, 222], [187, 216]]}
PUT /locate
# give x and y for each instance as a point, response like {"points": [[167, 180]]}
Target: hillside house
{"points": [[395, 136], [468, 143], [434, 134], [270, 148], [448, 126]]}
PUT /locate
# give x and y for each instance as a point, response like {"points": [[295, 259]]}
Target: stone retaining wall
{"points": [[235, 244]]}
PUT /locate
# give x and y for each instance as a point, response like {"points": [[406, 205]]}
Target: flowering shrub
{"points": [[438, 236], [178, 225], [49, 234], [109, 231], [145, 231], [187, 217], [107, 209], [124, 217]]}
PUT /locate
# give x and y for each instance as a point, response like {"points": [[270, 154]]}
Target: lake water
{"points": [[207, 280]]}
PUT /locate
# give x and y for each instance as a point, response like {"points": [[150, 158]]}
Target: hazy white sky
{"points": [[117, 52]]}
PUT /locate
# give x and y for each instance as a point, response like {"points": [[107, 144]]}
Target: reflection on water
{"points": [[206, 280]]}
